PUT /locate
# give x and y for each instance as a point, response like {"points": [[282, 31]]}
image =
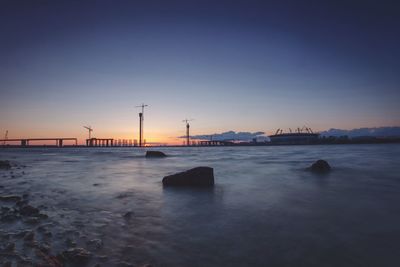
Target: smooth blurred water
{"points": [[265, 209]]}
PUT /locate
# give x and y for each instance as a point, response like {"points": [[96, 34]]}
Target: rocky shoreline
{"points": [[28, 238], [29, 235]]}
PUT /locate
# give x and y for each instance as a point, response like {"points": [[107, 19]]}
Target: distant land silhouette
{"points": [[261, 136], [372, 132], [230, 135]]}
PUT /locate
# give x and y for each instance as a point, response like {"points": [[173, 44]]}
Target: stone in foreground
{"points": [[200, 176], [155, 154], [320, 166], [76, 256], [5, 164]]}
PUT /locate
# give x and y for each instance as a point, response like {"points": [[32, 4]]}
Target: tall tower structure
{"points": [[187, 131], [141, 124]]}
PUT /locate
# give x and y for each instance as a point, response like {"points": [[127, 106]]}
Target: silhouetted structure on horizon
{"points": [[301, 136], [25, 142], [100, 142], [141, 123]]}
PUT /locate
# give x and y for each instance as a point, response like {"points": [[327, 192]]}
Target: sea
{"points": [[265, 209]]}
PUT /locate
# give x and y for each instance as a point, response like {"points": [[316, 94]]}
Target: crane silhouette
{"points": [[89, 128], [187, 130], [141, 123], [5, 138]]}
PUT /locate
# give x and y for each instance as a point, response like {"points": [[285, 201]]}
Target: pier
{"points": [[24, 142], [100, 142]]}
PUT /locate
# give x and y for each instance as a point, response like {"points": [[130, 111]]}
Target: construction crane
{"points": [[5, 138], [141, 123], [187, 131], [89, 128]]}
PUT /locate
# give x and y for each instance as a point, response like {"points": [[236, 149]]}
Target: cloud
{"points": [[376, 132], [230, 136]]}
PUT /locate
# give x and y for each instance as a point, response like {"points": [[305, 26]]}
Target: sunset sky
{"points": [[230, 65]]}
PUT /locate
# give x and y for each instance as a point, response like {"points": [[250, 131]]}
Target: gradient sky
{"points": [[230, 65]]}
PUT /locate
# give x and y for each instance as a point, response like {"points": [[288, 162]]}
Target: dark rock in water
{"points": [[125, 264], [29, 236], [128, 215], [10, 198], [155, 154], [200, 176], [9, 247], [76, 256], [28, 210], [32, 220], [320, 166], [22, 203], [47, 234], [5, 165], [94, 244], [70, 243]]}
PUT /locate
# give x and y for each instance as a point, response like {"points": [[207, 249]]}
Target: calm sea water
{"points": [[265, 209]]}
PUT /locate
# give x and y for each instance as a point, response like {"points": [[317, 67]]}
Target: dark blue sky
{"points": [[232, 65]]}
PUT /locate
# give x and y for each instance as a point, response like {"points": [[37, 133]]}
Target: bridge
{"points": [[26, 141], [100, 142]]}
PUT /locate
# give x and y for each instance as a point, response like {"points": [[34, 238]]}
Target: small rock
{"points": [[29, 236], [155, 154], [125, 264], [22, 203], [200, 176], [94, 244], [43, 216], [9, 247], [47, 234], [78, 256], [10, 198], [102, 258], [28, 210], [128, 215], [45, 248], [43, 227], [70, 243], [32, 220], [5, 165], [320, 166]]}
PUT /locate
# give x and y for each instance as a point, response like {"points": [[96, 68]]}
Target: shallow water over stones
{"points": [[107, 206]]}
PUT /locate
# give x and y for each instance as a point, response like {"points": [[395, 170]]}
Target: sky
{"points": [[243, 66]]}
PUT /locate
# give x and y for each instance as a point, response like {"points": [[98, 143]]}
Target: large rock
{"points": [[155, 154], [200, 176], [320, 166], [5, 164]]}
